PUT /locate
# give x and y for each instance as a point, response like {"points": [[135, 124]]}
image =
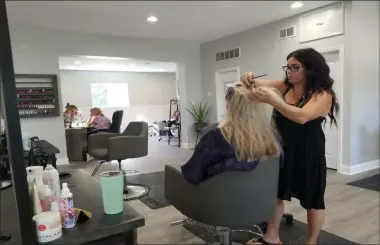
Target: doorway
{"points": [[222, 78], [334, 58]]}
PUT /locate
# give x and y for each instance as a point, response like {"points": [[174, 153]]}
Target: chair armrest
{"points": [[124, 147], [96, 141], [100, 130]]}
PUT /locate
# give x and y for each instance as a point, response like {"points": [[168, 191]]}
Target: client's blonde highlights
{"points": [[248, 127]]}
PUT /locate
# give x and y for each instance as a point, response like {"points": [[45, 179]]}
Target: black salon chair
{"points": [[117, 118]]}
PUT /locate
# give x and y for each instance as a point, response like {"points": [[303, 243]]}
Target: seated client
{"points": [[98, 120], [237, 143], [70, 113]]}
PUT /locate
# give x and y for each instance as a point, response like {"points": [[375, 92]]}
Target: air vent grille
{"points": [[288, 32], [227, 55]]}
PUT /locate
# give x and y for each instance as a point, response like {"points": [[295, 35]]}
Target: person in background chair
{"points": [[175, 118], [236, 144], [98, 120], [69, 114]]}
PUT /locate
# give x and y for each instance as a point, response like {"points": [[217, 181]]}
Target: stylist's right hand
{"points": [[247, 79]]}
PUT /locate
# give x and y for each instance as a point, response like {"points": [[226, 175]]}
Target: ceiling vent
{"points": [[288, 32], [228, 55]]}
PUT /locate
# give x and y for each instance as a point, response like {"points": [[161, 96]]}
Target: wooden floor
{"points": [[351, 212]]}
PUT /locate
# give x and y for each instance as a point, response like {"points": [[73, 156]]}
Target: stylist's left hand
{"points": [[266, 95]]}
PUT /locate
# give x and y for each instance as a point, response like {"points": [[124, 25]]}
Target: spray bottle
{"points": [[67, 207]]}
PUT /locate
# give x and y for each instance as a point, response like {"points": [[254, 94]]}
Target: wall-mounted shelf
{"points": [[37, 95]]}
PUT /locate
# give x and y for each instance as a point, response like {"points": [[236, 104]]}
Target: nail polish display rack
{"points": [[37, 95]]}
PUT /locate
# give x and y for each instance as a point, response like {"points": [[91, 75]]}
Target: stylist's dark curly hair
{"points": [[317, 77]]}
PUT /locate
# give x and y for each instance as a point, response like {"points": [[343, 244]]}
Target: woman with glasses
{"points": [[307, 99]]}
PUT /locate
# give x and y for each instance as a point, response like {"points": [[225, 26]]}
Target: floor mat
{"points": [[289, 234], [155, 182], [370, 183]]}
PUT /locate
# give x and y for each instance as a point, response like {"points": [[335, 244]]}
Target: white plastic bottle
{"points": [[67, 207], [47, 197], [54, 207], [50, 177]]}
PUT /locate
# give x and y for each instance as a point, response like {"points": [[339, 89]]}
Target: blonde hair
{"points": [[97, 111], [70, 109], [248, 127]]}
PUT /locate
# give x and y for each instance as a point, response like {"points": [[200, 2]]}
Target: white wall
{"points": [[149, 93], [37, 51], [263, 52], [362, 77]]}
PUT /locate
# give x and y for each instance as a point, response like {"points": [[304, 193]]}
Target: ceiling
{"points": [[183, 20], [99, 63]]}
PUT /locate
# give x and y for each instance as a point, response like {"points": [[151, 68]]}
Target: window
{"points": [[109, 95]]}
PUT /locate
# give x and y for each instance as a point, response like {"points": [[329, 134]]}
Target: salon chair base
{"points": [[180, 222], [132, 192], [226, 234], [127, 172]]}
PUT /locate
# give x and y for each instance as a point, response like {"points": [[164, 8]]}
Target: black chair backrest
{"points": [[117, 118]]}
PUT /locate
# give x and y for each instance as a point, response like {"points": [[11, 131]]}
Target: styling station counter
{"points": [[99, 229]]}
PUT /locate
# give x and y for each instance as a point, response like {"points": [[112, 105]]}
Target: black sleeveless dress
{"points": [[303, 172]]}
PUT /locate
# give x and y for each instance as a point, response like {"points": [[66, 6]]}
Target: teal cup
{"points": [[111, 184]]}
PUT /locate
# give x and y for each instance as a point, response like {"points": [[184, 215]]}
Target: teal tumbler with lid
{"points": [[112, 186]]}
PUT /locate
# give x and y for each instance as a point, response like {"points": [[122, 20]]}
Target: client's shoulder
{"points": [[215, 139], [214, 132]]}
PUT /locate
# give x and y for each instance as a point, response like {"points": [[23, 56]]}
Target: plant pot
{"points": [[198, 126]]}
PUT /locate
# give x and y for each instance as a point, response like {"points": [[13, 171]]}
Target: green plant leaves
{"points": [[199, 111]]}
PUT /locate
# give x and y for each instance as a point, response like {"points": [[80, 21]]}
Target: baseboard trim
{"points": [[188, 145], [360, 168], [63, 161]]}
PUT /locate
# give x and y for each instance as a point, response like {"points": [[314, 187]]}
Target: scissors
{"points": [[232, 85], [253, 85]]}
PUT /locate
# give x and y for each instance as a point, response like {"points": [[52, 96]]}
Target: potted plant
{"points": [[199, 111]]}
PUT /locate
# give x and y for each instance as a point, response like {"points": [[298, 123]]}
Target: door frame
{"points": [[340, 50], [219, 86]]}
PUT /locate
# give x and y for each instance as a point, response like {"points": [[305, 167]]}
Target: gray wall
{"points": [[37, 51], [263, 52], [144, 88], [149, 93]]}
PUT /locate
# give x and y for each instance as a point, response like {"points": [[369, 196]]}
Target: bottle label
{"points": [[68, 214]]}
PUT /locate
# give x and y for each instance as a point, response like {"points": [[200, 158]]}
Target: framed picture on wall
{"points": [[322, 23]]}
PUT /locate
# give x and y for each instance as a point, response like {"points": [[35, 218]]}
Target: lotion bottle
{"points": [[50, 177]]}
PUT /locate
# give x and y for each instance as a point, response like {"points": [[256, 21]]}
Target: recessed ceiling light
{"points": [[296, 5], [77, 62], [152, 19], [105, 58]]}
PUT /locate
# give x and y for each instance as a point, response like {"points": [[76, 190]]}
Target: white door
{"points": [[332, 132], [222, 78]]}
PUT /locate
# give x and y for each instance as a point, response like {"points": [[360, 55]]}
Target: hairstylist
{"points": [[308, 97]]}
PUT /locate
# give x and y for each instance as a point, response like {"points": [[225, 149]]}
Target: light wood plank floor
{"points": [[351, 212]]}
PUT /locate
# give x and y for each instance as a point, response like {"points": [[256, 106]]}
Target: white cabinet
{"points": [[322, 23]]}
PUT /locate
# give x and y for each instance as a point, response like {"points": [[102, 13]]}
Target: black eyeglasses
{"points": [[291, 68]]}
